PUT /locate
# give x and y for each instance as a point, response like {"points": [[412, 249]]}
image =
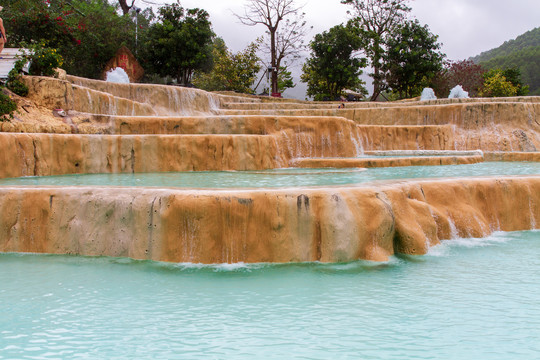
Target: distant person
{"points": [[3, 38]]}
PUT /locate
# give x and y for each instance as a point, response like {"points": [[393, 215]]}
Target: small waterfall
{"points": [[190, 231], [280, 160], [454, 234], [358, 143], [531, 210], [326, 143], [90, 102]]}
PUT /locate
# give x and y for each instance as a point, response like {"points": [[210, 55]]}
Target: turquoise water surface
{"points": [[466, 299], [280, 177]]}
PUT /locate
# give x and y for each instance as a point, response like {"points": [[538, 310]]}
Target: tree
{"points": [[285, 29], [333, 65], [231, 71], [180, 42], [412, 58], [87, 33], [285, 80], [125, 7], [376, 19], [496, 85], [465, 73], [513, 75], [502, 83]]}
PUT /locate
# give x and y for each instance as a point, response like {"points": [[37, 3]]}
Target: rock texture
{"points": [[282, 225], [386, 162], [113, 128]]}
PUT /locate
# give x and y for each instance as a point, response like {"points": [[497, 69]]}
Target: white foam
{"points": [[445, 246], [428, 94], [224, 267], [117, 75], [458, 93]]}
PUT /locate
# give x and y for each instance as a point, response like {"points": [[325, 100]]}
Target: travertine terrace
{"points": [[115, 128]]}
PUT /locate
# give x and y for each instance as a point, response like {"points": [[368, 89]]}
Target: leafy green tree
{"points": [[514, 76], [86, 33], [503, 83], [180, 43], [496, 85], [412, 59], [285, 80], [376, 19], [231, 71], [333, 65]]}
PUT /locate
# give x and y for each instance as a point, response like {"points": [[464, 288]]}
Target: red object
{"points": [[278, 95]]}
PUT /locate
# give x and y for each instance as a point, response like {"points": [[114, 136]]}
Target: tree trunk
{"points": [[125, 7], [273, 62], [376, 83]]}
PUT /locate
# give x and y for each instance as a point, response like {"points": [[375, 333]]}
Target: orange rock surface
{"points": [[113, 128], [267, 225]]}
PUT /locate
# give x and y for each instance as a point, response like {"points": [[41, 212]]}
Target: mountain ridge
{"points": [[523, 52]]}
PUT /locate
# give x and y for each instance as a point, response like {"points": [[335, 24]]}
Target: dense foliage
{"points": [[412, 59], [501, 83], [375, 20], [285, 80], [43, 60], [465, 73], [333, 65], [86, 33], [230, 71], [14, 82], [180, 43], [522, 53], [7, 106]]}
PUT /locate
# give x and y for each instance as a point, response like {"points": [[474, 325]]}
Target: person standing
{"points": [[3, 38]]}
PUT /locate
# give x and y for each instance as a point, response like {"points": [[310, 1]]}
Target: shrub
{"points": [[44, 60], [7, 106], [496, 85], [14, 82]]}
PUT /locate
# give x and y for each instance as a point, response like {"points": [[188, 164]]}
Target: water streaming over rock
{"points": [[156, 128]]}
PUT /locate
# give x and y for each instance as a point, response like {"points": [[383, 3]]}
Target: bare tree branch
{"points": [[285, 29]]}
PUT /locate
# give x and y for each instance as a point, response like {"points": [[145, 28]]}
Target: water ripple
{"points": [[468, 298]]}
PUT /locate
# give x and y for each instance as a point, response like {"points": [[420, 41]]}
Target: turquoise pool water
{"points": [[466, 299], [281, 177]]}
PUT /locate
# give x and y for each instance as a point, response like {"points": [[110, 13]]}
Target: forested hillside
{"points": [[523, 53]]}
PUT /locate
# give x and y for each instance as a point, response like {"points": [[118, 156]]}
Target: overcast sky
{"points": [[465, 27]]}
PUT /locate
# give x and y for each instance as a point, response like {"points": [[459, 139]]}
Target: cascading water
{"points": [[117, 75], [428, 94], [458, 93]]}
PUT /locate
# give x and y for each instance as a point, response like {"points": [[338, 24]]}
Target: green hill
{"points": [[523, 52]]}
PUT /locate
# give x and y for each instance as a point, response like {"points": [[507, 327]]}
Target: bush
{"points": [[503, 83], [44, 61], [7, 106], [496, 85], [14, 82]]}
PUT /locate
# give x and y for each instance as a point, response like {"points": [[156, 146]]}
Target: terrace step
{"points": [[372, 162]]}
